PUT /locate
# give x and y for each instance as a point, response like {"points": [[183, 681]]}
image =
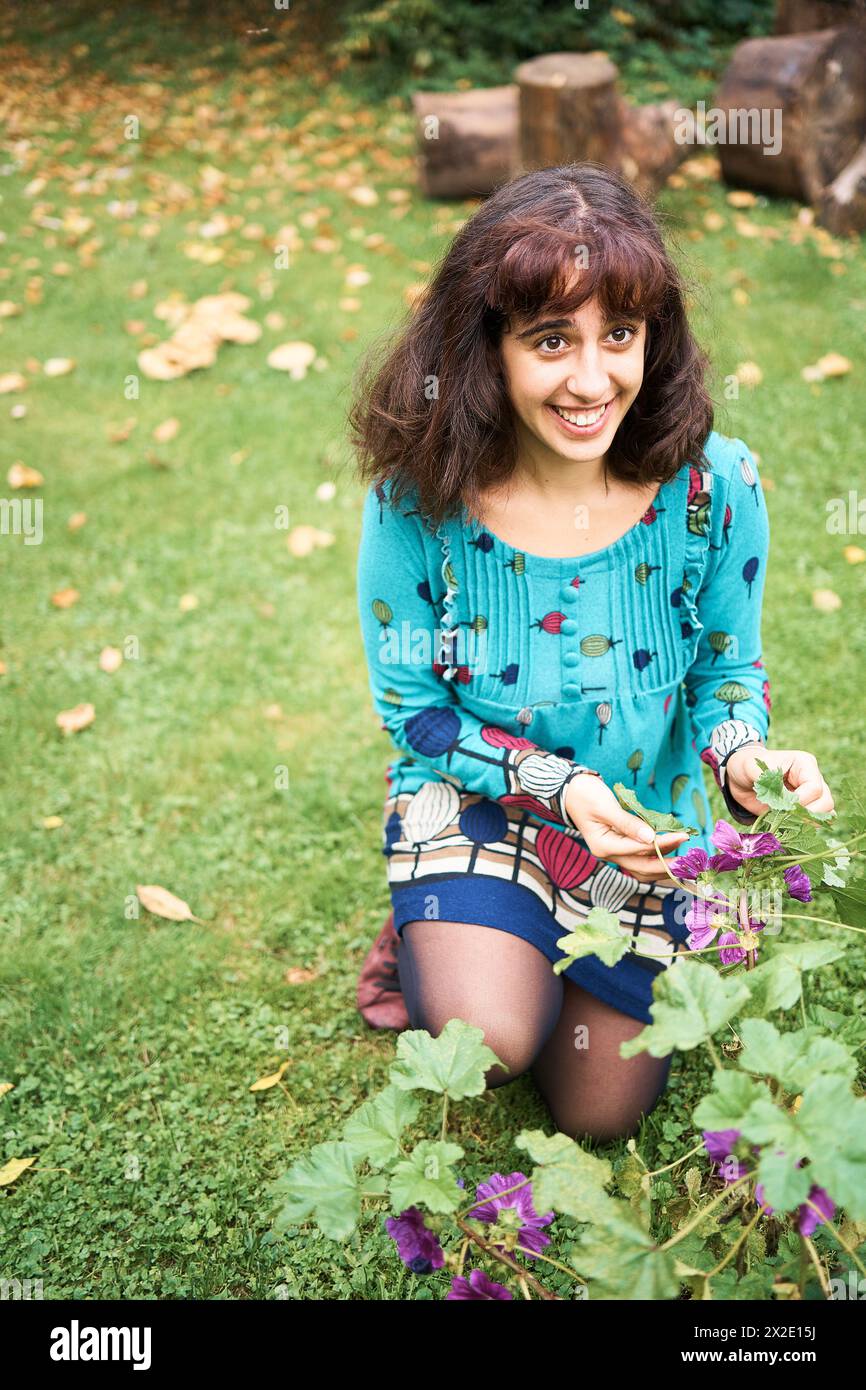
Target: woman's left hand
{"points": [[801, 774]]}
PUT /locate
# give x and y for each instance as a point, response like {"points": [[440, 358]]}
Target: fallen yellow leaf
{"points": [[110, 660], [58, 366], [854, 554], [52, 822], [301, 540], [293, 357], [187, 603], [167, 430], [296, 975], [71, 721], [64, 598], [749, 374], [11, 381], [825, 600], [265, 1083], [162, 903], [20, 475], [6, 1086], [13, 1169], [76, 521]]}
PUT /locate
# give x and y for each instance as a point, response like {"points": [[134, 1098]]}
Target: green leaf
{"points": [[373, 1130], [785, 1185], [725, 1106], [659, 820], [691, 1002], [794, 1058], [621, 1261], [600, 934], [454, 1063], [426, 1178], [832, 1121], [777, 983], [323, 1184], [567, 1178], [850, 904], [770, 788]]}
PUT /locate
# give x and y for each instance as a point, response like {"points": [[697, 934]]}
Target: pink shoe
{"points": [[380, 1001]]}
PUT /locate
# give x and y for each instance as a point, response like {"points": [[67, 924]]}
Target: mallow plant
{"points": [[769, 1200]]}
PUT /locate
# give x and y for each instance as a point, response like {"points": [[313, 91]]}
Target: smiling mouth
{"points": [[583, 419]]}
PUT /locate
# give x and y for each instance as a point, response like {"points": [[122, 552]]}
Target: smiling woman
{"points": [[549, 498]]}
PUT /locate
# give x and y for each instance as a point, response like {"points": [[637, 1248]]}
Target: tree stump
{"points": [[569, 110], [467, 141], [842, 206], [649, 149], [816, 81], [802, 16]]}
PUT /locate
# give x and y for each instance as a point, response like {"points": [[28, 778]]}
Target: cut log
{"points": [[570, 110], [842, 206], [467, 142], [649, 150], [803, 16], [802, 94]]}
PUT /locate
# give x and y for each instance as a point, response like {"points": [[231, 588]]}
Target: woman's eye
{"points": [[551, 338], [624, 328]]}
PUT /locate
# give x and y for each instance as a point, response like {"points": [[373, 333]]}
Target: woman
{"points": [[560, 580]]}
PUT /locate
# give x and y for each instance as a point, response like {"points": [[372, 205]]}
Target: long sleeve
{"points": [[409, 654], [727, 685]]}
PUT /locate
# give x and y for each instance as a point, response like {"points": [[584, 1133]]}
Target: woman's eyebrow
{"points": [[549, 324]]}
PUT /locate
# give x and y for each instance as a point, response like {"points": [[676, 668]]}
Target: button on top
{"points": [[569, 626], [569, 594], [571, 689], [571, 659]]}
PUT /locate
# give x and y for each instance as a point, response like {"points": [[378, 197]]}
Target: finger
{"points": [[809, 792], [631, 828], [802, 768], [616, 843]]}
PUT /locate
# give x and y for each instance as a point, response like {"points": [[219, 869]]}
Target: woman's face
{"points": [[593, 370]]}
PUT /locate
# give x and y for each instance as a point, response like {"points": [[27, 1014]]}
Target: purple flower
{"points": [[691, 864], [531, 1238], [809, 1219], [476, 1287], [736, 847], [719, 1143], [799, 885], [703, 919], [759, 1198], [417, 1246], [730, 949]]}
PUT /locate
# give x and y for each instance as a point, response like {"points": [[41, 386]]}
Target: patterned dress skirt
{"points": [[457, 856]]}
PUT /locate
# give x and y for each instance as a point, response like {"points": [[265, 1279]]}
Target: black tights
{"points": [[533, 1020]]}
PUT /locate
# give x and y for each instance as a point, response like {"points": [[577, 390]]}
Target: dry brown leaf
{"points": [[167, 430], [76, 521], [740, 198], [52, 822], [13, 1169], [749, 374], [265, 1083], [21, 475], [293, 357], [58, 366], [187, 603], [11, 381], [825, 600], [713, 221], [64, 598], [162, 903], [116, 434], [295, 975], [9, 309], [110, 660], [71, 721], [739, 296], [854, 554], [364, 196], [301, 540], [6, 1086]]}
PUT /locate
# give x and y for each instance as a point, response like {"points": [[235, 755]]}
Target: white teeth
{"points": [[582, 418]]}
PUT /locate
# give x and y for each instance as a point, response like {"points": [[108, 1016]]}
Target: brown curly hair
{"points": [[517, 257]]}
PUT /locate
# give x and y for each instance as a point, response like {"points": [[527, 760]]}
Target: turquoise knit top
{"points": [[504, 672]]}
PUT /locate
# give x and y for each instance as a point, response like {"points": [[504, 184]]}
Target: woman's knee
{"points": [[432, 1002]]}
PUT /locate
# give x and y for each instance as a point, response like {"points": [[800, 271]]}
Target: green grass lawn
{"points": [[132, 1042]]}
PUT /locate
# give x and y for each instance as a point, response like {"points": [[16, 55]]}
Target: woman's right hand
{"points": [[612, 833]]}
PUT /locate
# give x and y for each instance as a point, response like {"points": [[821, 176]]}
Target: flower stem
{"points": [[704, 1211], [714, 1054], [807, 917], [506, 1260]]}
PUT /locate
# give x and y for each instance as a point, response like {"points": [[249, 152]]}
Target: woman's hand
{"points": [[615, 834], [801, 774]]}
